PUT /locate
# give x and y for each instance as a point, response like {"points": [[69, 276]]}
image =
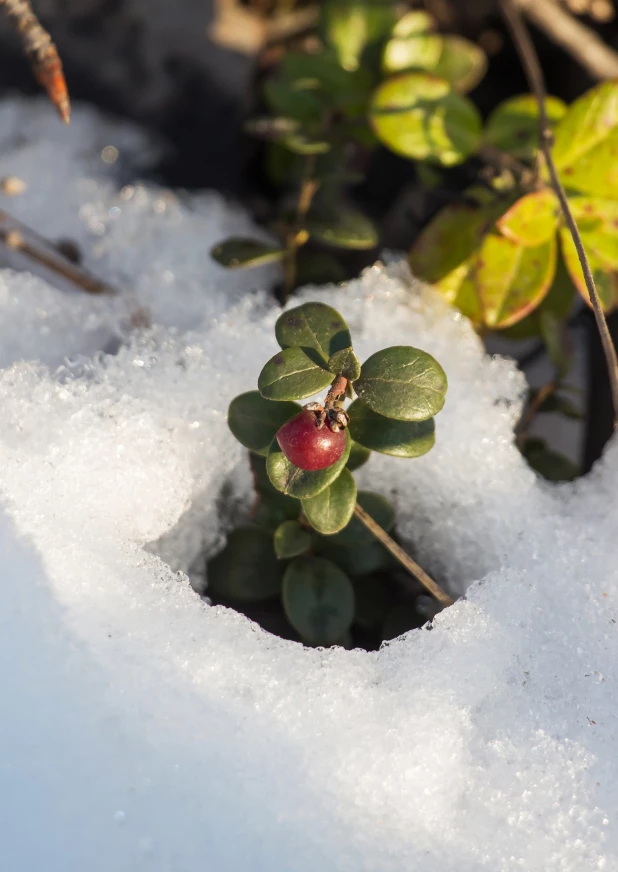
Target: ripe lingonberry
{"points": [[308, 445]]}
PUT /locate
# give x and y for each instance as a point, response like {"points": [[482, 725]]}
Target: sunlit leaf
{"points": [[586, 142], [331, 509], [414, 22], [293, 374], [350, 25], [512, 280], [345, 363], [387, 436], [597, 220], [418, 51], [402, 382], [531, 220], [513, 126], [419, 116], [318, 599], [239, 253], [461, 62]]}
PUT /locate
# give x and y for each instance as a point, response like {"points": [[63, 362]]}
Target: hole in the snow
{"points": [[272, 567]]}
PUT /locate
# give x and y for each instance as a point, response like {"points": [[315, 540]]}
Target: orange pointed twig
{"points": [[41, 52]]}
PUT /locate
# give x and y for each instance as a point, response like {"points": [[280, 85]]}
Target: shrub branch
{"points": [[41, 52], [534, 74]]}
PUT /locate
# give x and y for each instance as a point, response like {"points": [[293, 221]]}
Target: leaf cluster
{"points": [[307, 517]]}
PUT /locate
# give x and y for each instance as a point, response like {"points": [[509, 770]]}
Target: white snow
{"points": [[141, 728]]}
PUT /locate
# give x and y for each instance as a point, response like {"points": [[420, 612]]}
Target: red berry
{"points": [[307, 446]]}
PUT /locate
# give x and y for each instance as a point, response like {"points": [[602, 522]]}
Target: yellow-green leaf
{"points": [[531, 220], [597, 220], [586, 143], [512, 280], [420, 116], [513, 126]]}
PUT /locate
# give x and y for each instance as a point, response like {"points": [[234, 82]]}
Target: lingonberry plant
{"points": [[325, 549]]}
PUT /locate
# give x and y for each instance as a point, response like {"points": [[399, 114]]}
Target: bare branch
{"points": [[583, 44], [534, 74], [41, 52]]}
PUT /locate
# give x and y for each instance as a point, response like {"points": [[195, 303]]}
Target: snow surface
{"points": [[142, 728]]}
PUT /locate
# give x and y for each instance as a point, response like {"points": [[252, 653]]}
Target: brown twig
{"points": [[583, 44], [532, 410], [399, 554], [41, 52], [534, 74]]}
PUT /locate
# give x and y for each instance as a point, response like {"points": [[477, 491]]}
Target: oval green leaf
{"points": [[318, 599], [346, 228], [511, 281], [417, 51], [461, 62], [387, 436], [300, 483], [293, 374], [247, 568], [254, 420], [316, 326], [359, 455], [331, 510], [273, 507], [531, 220], [292, 100], [413, 23], [345, 363], [350, 25], [242, 253], [291, 540], [597, 220], [513, 127], [419, 116], [380, 509], [586, 142], [403, 383]]}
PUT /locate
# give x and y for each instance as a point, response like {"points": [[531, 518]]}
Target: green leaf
{"points": [[531, 220], [586, 142], [318, 599], [413, 23], [331, 510], [380, 510], [344, 228], [358, 559], [558, 348], [293, 100], [241, 253], [291, 540], [293, 374], [557, 305], [387, 436], [301, 483], [313, 326], [556, 403], [513, 127], [446, 251], [318, 268], [350, 25], [345, 363], [512, 280], [254, 420], [273, 507], [247, 568], [341, 89], [419, 116], [597, 221], [549, 464], [359, 455], [403, 383], [461, 62], [305, 143], [419, 51]]}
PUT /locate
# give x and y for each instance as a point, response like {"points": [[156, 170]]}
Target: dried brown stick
{"points": [[41, 52], [534, 74], [579, 41], [399, 554]]}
